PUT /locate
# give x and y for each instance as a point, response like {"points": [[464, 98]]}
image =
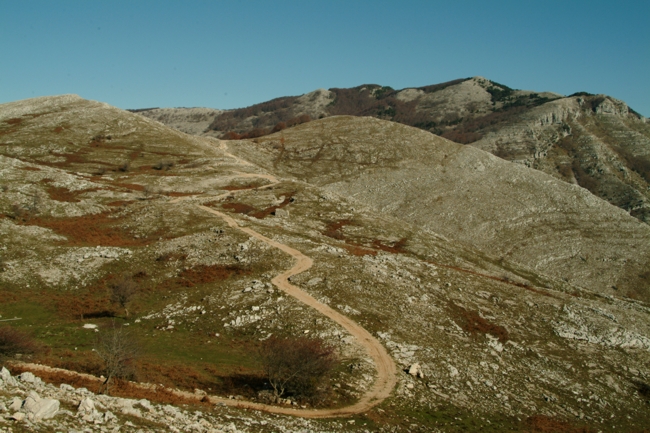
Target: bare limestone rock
{"points": [[415, 370], [37, 408], [6, 378]]}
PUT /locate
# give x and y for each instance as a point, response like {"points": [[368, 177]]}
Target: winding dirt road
{"points": [[386, 370], [386, 378]]}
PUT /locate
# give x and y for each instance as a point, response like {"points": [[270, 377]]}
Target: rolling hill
{"points": [[460, 291], [594, 141]]}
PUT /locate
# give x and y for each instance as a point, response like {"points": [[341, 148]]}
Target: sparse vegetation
{"points": [[164, 164], [297, 365], [118, 350], [14, 342], [122, 291], [207, 296]]}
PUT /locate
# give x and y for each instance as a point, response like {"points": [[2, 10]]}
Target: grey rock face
{"points": [[38, 408]]}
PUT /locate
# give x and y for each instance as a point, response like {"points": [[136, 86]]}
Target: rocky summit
{"points": [[459, 291], [594, 141]]}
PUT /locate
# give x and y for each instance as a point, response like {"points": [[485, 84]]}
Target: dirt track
{"points": [[386, 369], [385, 380]]}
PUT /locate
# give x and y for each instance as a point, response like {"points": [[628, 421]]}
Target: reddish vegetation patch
{"points": [[82, 306], [14, 121], [207, 274], [131, 186], [182, 194], [545, 424], [492, 277], [70, 158], [397, 248], [356, 250], [473, 323], [178, 376], [332, 230], [58, 129], [239, 208], [8, 297], [120, 203], [98, 229], [64, 194], [240, 187], [271, 209], [120, 388]]}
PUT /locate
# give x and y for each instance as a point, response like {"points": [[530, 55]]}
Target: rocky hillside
{"points": [[594, 141], [503, 298], [193, 121], [507, 211]]}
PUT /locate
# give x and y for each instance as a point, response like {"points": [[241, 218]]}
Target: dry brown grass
{"points": [[546, 424], [89, 304], [121, 388], [207, 274], [332, 229], [119, 203], [239, 208], [473, 323], [181, 194], [91, 230], [65, 195], [396, 248], [131, 186]]}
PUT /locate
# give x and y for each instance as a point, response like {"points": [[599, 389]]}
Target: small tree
{"points": [[118, 350], [122, 291], [296, 365], [13, 342]]}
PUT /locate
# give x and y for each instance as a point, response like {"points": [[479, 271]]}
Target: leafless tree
{"points": [[296, 365], [122, 291], [118, 350], [13, 342]]}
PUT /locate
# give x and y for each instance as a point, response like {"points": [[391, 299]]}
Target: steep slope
{"points": [[591, 140], [507, 211], [595, 141]]}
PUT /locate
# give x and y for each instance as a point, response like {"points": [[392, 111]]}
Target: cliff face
{"points": [[593, 141]]}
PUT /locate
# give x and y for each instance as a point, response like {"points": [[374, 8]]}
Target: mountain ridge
{"points": [[595, 141]]}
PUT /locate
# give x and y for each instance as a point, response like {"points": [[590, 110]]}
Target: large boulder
{"points": [[37, 408], [6, 378]]}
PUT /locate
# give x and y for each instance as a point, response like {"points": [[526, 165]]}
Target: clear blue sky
{"points": [[227, 54]]}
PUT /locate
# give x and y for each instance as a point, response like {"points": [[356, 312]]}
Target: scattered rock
{"points": [[415, 370]]}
